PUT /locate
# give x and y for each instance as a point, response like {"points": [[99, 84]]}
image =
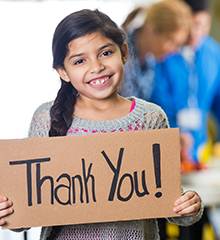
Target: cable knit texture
{"points": [[144, 116]]}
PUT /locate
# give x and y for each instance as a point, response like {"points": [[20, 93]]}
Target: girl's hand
{"points": [[188, 204], [5, 209]]}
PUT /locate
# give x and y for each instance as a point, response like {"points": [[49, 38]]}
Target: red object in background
{"points": [[187, 164]]}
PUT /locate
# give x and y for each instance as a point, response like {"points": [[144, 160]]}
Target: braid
{"points": [[61, 112]]}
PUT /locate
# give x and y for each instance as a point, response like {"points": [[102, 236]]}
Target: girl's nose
{"points": [[97, 67]]}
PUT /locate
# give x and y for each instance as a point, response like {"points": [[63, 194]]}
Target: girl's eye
{"points": [[107, 53], [79, 61]]}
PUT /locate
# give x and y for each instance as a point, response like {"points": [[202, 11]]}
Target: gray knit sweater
{"points": [[144, 116]]}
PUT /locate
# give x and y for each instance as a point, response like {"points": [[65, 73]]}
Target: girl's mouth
{"points": [[99, 81]]}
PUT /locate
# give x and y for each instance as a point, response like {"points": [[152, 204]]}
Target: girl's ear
{"points": [[124, 52], [63, 74]]}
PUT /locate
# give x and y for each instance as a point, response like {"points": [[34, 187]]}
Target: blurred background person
{"points": [[187, 87], [188, 83], [153, 32]]}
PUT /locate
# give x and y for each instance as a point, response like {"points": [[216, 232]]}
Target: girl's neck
{"points": [[104, 109]]}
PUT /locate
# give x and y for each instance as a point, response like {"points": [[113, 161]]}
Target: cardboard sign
{"points": [[97, 178]]}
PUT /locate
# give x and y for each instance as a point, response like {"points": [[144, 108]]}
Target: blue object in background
{"points": [[172, 87]]}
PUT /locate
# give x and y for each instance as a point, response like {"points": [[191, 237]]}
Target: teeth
{"points": [[99, 81]]}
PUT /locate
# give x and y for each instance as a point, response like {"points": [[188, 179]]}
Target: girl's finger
{"points": [[2, 221], [186, 204], [191, 210], [186, 197], [5, 204], [3, 198], [6, 212]]}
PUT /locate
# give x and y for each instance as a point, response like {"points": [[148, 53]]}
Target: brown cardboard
{"points": [[90, 163]]}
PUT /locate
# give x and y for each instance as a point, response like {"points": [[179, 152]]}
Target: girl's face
{"points": [[94, 66]]}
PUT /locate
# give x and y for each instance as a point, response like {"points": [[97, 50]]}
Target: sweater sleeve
{"points": [[40, 123], [155, 117]]}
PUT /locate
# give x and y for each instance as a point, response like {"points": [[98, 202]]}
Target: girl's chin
{"points": [[103, 95]]}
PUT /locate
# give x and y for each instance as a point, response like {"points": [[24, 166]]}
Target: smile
{"points": [[99, 81]]}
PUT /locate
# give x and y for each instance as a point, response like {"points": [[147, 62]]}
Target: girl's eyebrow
{"points": [[106, 45], [99, 49]]}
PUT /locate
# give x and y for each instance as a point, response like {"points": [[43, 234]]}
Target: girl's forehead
{"points": [[95, 38]]}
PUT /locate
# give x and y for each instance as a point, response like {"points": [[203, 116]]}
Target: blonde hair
{"points": [[165, 17]]}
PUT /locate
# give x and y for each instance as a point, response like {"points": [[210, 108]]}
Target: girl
{"points": [[89, 53]]}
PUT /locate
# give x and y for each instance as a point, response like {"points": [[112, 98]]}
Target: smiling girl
{"points": [[89, 53]]}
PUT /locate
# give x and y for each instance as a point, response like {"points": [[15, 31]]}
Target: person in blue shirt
{"points": [[188, 83], [153, 32], [187, 87]]}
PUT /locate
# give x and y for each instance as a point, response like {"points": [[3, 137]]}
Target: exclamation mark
{"points": [[157, 172]]}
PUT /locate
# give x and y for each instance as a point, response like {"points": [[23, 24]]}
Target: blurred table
{"points": [[206, 182]]}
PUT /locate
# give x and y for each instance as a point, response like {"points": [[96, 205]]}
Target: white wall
{"points": [[27, 78]]}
